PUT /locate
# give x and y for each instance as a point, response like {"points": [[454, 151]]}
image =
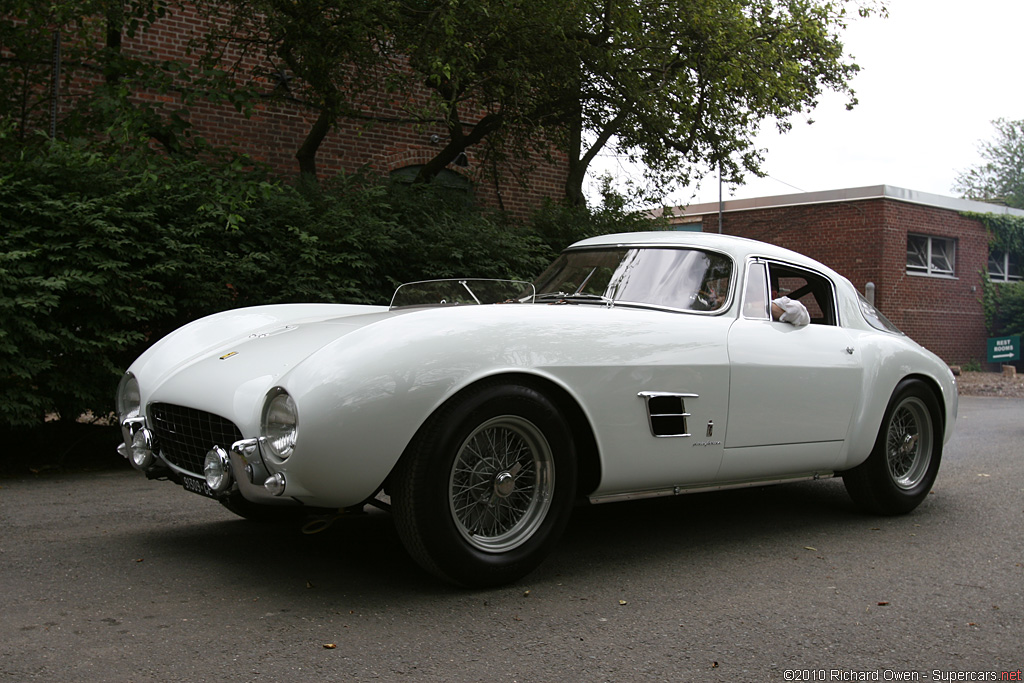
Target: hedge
{"points": [[100, 258]]}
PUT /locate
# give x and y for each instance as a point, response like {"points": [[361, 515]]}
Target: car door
{"points": [[793, 390]]}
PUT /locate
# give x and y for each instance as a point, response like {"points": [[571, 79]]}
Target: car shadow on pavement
{"points": [[362, 553]]}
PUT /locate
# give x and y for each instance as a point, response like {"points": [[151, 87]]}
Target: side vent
{"points": [[666, 412]]}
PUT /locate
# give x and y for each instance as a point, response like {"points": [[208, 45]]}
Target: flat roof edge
{"points": [[844, 195]]}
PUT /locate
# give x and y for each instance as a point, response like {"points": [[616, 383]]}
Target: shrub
{"points": [[101, 256], [559, 225], [1004, 308]]}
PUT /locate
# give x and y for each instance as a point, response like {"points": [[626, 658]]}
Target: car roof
{"points": [[739, 247]]}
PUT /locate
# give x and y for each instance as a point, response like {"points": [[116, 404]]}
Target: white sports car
{"points": [[479, 412]]}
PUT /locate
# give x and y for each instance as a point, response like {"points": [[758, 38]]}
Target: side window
{"points": [[811, 289]]}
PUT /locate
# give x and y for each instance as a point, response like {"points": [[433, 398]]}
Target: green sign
{"points": [[1003, 349]]}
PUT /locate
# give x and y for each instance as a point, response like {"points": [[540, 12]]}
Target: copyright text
{"points": [[818, 675]]}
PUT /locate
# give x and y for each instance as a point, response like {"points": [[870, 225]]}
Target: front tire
{"points": [[904, 463], [486, 488]]}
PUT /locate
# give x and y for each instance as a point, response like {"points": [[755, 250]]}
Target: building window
{"points": [[928, 255], [1003, 267]]}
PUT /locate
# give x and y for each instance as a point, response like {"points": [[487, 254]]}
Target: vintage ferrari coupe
{"points": [[479, 412]]}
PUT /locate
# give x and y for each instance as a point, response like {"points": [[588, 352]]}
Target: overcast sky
{"points": [[934, 74]]}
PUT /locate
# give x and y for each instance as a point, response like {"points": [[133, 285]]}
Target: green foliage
{"points": [[684, 86], [559, 224], [1003, 302], [973, 365], [94, 262], [101, 79], [328, 56], [681, 86], [100, 256], [491, 65], [1000, 179], [1006, 231]]}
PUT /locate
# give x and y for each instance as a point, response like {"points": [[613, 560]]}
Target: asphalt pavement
{"points": [[106, 576]]}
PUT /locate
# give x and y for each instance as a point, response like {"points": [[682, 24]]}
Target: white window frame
{"points": [[929, 268], [1005, 275]]}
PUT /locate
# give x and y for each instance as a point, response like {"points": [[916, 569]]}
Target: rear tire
{"points": [[485, 490], [904, 463]]}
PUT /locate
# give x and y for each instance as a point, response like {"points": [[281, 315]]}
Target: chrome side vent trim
{"points": [[666, 413]]}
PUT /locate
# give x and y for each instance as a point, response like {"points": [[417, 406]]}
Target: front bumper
{"points": [[243, 461]]}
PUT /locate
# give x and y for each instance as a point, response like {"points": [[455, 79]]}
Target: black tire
{"points": [[485, 490], [903, 465]]}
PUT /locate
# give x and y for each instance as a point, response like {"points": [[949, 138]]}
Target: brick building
{"points": [[924, 257], [381, 137]]}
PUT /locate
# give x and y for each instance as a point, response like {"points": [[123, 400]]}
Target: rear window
{"points": [[875, 318]]}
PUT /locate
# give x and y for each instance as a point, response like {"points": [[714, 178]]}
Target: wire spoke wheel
{"points": [[475, 496], [501, 483], [901, 469], [908, 443]]}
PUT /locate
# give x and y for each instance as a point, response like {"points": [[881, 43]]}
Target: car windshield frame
{"points": [[669, 275], [463, 291]]}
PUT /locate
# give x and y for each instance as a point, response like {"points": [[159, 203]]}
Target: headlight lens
{"points": [[142, 449], [280, 423], [217, 470], [129, 401]]}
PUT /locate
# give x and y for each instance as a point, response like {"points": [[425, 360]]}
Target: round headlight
{"points": [[280, 423], [129, 400]]}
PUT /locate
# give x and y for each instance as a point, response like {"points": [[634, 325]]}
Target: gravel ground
{"points": [[990, 384]]}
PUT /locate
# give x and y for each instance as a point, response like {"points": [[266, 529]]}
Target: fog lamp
{"points": [[142, 449], [217, 469]]}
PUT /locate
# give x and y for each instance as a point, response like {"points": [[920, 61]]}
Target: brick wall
{"points": [[866, 241], [384, 144]]}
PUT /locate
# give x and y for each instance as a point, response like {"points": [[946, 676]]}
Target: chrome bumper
{"points": [[248, 469]]}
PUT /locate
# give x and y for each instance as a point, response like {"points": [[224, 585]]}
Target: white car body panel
{"points": [[770, 401]]}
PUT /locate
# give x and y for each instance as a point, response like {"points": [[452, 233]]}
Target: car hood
{"points": [[234, 357]]}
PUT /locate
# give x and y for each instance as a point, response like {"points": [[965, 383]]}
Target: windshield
{"points": [[683, 279], [461, 292]]}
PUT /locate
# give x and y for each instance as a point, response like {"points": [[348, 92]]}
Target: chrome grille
{"points": [[184, 435]]}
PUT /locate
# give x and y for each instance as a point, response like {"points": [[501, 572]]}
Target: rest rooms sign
{"points": [[1003, 349]]}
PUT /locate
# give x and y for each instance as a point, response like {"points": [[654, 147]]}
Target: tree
{"points": [[490, 65], [474, 67], [325, 55], [80, 55], [681, 85], [1000, 180]]}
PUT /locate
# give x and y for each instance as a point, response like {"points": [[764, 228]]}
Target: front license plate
{"points": [[196, 485]]}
